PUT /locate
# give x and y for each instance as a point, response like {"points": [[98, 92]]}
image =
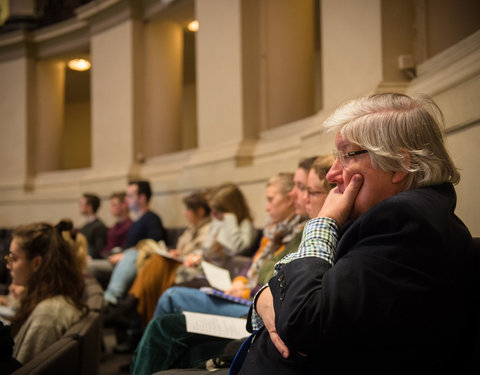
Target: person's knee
{"points": [[167, 302], [168, 296]]}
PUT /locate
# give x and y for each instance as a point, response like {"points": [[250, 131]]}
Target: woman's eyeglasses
{"points": [[344, 157]]}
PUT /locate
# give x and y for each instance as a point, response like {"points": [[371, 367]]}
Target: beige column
{"points": [[351, 48], [287, 38], [16, 113], [219, 72], [117, 123], [50, 97], [163, 87]]}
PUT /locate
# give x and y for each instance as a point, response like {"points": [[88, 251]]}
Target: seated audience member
{"points": [[165, 342], [76, 239], [94, 229], [279, 230], [117, 234], [231, 232], [367, 289], [158, 272], [194, 349], [300, 197], [147, 225], [46, 265]]}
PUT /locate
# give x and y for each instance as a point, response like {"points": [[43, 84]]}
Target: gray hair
{"points": [[284, 182], [400, 133]]}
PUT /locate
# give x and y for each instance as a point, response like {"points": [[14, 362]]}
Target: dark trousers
{"points": [[166, 344]]}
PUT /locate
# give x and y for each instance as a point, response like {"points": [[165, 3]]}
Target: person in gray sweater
{"points": [[42, 261]]}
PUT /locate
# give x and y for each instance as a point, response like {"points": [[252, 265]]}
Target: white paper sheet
{"points": [[216, 325], [217, 277]]}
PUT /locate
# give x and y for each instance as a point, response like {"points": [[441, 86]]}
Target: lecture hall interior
{"points": [[238, 99]]}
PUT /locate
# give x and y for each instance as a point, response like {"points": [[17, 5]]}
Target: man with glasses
{"points": [[385, 279]]}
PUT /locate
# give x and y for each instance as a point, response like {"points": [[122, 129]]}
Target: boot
{"points": [[119, 315], [132, 337]]}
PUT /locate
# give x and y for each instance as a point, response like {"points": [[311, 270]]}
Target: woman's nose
{"points": [[334, 175]]}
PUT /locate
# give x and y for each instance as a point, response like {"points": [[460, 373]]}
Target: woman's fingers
{"points": [[338, 205], [264, 308]]}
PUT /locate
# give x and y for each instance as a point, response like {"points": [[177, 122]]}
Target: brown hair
{"points": [[59, 272], [143, 188], [120, 195], [228, 198], [74, 238], [197, 200], [93, 201], [306, 163]]}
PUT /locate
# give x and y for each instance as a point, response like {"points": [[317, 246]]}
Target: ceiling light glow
{"points": [[79, 64], [193, 26]]}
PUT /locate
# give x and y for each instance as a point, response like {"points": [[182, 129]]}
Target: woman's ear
{"points": [[400, 176], [36, 263]]}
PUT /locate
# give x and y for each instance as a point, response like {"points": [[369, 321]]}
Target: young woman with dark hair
{"points": [[42, 261]]}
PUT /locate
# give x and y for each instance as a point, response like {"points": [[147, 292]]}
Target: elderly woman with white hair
{"points": [[385, 279]]}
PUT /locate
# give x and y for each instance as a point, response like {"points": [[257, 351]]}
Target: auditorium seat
{"points": [[60, 358], [173, 233], [88, 332], [251, 250], [78, 351], [93, 294]]}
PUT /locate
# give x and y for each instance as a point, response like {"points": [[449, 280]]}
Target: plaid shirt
{"points": [[319, 240]]}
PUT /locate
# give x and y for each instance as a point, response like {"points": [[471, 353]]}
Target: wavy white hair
{"points": [[401, 133]]}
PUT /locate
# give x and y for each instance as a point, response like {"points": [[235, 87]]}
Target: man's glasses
{"points": [[344, 157]]}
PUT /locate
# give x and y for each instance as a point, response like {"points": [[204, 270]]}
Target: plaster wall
{"points": [[351, 49]]}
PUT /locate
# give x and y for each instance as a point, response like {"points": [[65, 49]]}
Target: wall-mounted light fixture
{"points": [[79, 64], [193, 26]]}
